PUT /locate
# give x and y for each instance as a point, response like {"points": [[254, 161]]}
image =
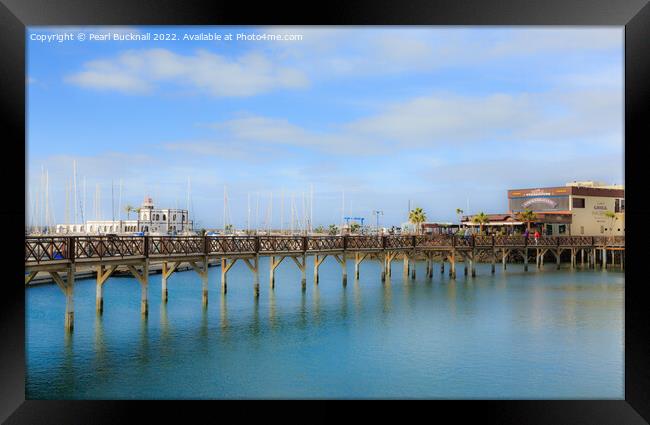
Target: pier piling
{"points": [[525, 259]]}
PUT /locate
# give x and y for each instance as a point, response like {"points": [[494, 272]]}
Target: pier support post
{"points": [[356, 265], [202, 270], [452, 265], [430, 275], [558, 254], [163, 283], [623, 260], [102, 276], [525, 259], [382, 260], [405, 271], [387, 263], [541, 259], [69, 299], [302, 265], [413, 255], [573, 258], [504, 256], [472, 264], [494, 260], [358, 258], [143, 278], [256, 277], [582, 258], [167, 271], [273, 265], [442, 265], [255, 268], [341, 261], [204, 283], [604, 258], [317, 262], [67, 286], [225, 267]]}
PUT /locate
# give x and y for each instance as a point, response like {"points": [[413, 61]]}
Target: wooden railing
{"points": [[40, 250]]}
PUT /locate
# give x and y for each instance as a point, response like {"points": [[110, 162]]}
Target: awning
{"points": [[503, 223]]}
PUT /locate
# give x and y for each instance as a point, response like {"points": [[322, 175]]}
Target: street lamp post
{"points": [[377, 213]]}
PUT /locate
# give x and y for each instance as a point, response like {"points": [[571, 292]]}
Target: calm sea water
{"points": [[549, 334]]}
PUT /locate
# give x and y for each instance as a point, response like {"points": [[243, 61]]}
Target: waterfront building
{"points": [[150, 220], [578, 208]]}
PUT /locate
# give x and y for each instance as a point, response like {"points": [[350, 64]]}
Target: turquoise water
{"points": [[549, 334]]}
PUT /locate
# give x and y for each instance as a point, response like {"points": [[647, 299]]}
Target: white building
{"points": [[151, 220]]}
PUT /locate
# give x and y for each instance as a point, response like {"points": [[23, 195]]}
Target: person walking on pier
{"points": [[536, 236]]}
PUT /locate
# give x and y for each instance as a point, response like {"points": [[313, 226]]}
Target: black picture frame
{"points": [[15, 15]]}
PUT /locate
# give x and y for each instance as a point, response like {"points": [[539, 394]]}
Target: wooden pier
{"points": [[60, 256]]}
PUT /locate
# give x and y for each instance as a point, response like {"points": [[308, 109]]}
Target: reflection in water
{"points": [[272, 312], [303, 309], [344, 303], [67, 369], [387, 298], [203, 330], [255, 325], [144, 341], [164, 323], [451, 296], [316, 300], [224, 314], [506, 329], [357, 295]]}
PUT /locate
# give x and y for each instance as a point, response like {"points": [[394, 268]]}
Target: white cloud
{"points": [[591, 118], [140, 71]]}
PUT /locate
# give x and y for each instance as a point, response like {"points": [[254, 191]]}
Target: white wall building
{"points": [[151, 220]]}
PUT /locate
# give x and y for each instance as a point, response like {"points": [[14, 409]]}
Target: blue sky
{"points": [[441, 116]]}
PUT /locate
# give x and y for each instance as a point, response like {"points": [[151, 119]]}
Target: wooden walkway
{"points": [[60, 256]]}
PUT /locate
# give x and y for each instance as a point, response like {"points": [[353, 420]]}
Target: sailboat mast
{"points": [[47, 201], [112, 202], [342, 209], [311, 208], [270, 213], [83, 208], [119, 203], [257, 212], [66, 215], [74, 178], [248, 217], [281, 211]]}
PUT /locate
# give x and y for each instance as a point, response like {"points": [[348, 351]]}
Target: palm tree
{"points": [[333, 229], [480, 219], [527, 217], [128, 209], [459, 213], [612, 219], [417, 217], [319, 229]]}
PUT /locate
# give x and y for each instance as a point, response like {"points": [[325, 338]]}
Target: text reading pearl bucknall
{"points": [[160, 36]]}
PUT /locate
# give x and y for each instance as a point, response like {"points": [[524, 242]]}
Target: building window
{"points": [[164, 217], [619, 205], [602, 229], [578, 202], [562, 229], [174, 217], [582, 230]]}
